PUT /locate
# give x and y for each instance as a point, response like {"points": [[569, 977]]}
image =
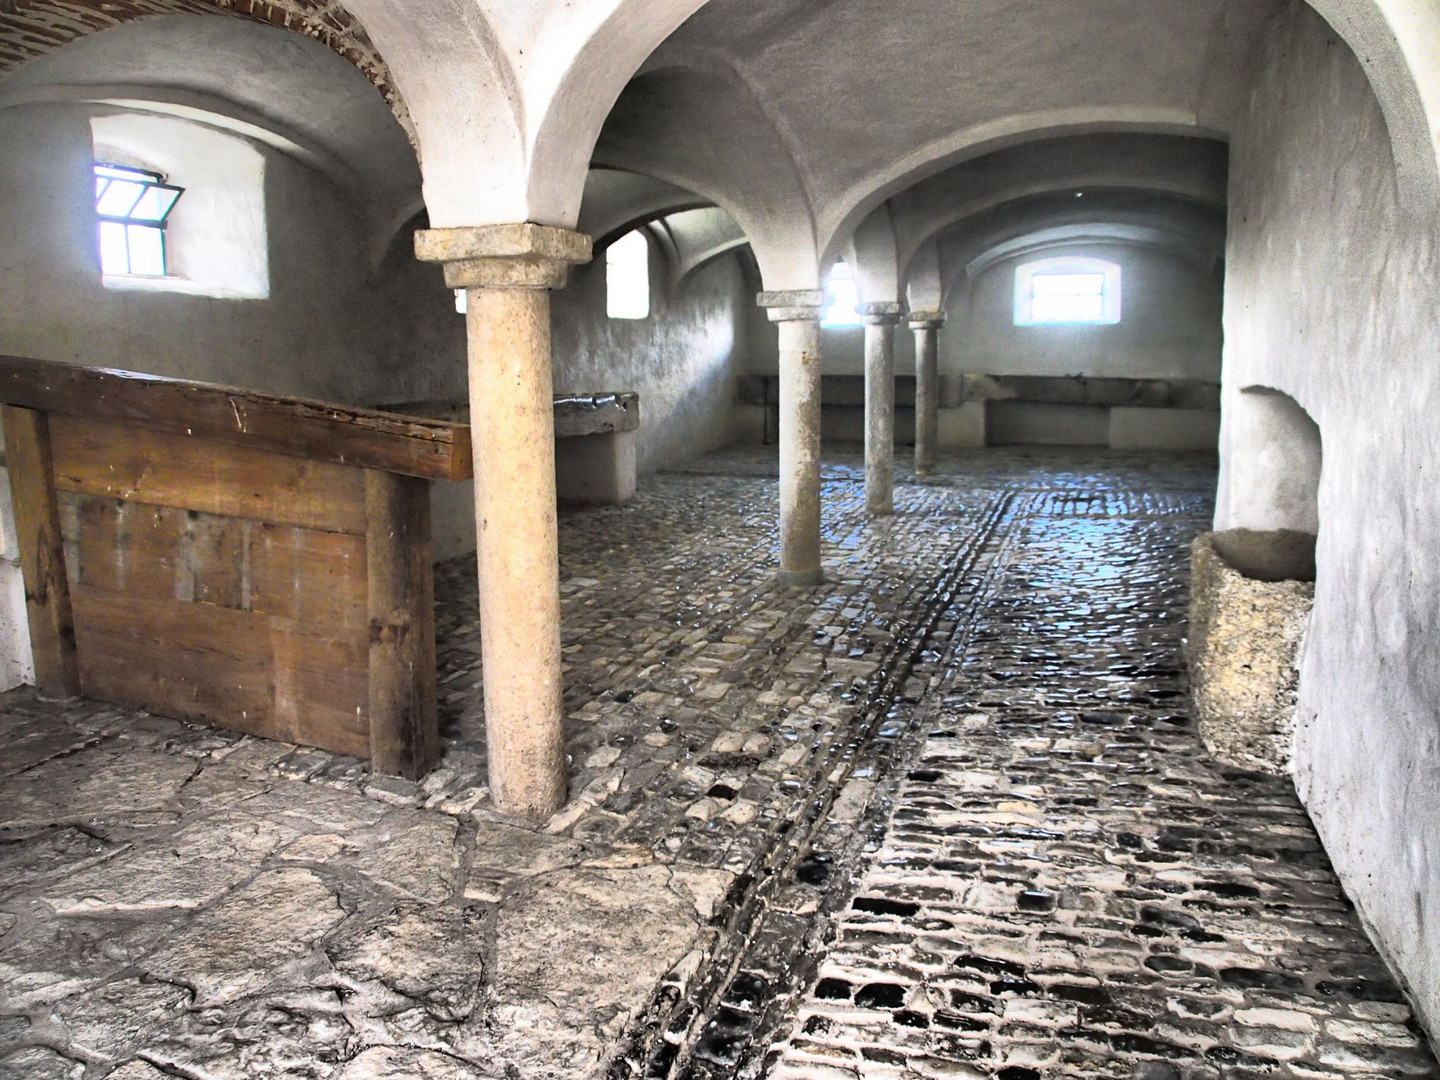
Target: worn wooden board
{"points": [[240, 670], [404, 733], [175, 658], [126, 547], [159, 468], [317, 430], [321, 681], [309, 576], [28, 457]]}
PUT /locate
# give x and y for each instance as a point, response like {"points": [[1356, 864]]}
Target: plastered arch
{"points": [[33, 28], [842, 216], [649, 132], [1398, 44]]}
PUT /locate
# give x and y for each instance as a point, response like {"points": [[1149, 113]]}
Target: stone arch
{"points": [[1394, 40], [780, 228], [845, 214], [1192, 169], [1272, 462], [32, 28]]}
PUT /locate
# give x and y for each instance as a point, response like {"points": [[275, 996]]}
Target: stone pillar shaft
{"points": [[880, 322], [926, 325], [798, 316], [507, 270]]}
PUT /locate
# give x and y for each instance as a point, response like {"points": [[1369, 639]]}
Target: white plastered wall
{"points": [[1330, 299], [216, 242]]}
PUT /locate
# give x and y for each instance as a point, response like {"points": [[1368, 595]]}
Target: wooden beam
{"points": [[318, 430], [42, 552], [404, 725]]}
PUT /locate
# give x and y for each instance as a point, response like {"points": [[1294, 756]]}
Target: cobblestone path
{"points": [[1066, 885], [915, 799]]}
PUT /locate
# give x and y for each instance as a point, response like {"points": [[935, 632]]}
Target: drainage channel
{"points": [[716, 1021]]}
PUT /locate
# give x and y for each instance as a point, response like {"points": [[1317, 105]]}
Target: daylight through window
{"points": [[627, 277], [1064, 292], [842, 307], [133, 205]]}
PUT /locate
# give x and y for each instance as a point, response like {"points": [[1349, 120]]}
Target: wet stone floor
{"points": [[944, 816]]}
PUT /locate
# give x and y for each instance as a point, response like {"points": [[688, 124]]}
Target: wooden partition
{"points": [[255, 562]]}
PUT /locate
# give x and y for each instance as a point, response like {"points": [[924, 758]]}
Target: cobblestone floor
{"points": [[1004, 815]]}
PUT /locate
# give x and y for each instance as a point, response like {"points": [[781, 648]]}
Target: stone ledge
{"points": [[521, 255]]}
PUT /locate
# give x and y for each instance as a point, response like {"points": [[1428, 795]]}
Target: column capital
{"points": [[518, 256], [927, 320], [883, 313], [793, 305]]}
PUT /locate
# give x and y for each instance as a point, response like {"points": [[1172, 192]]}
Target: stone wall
{"points": [[684, 360], [311, 336], [1251, 594], [1330, 298], [1169, 324]]}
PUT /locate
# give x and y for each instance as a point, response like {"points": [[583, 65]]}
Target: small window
{"points": [[133, 205], [842, 296], [627, 277], [213, 241], [1067, 292]]}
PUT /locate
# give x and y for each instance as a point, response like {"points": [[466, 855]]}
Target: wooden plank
{"points": [[321, 686], [404, 724], [163, 469], [175, 658], [42, 555], [308, 576], [240, 670], [127, 547], [215, 554], [321, 431]]}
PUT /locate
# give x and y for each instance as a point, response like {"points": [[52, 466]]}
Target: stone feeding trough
{"points": [[1251, 594]]}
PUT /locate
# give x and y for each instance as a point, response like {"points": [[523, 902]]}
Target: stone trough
{"points": [[1251, 594]]}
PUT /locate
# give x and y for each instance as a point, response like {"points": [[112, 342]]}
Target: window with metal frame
{"points": [[133, 206]]}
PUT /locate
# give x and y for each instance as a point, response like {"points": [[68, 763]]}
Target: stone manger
{"points": [[1251, 597]]}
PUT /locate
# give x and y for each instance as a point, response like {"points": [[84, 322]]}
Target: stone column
{"points": [[798, 314], [880, 322], [926, 325], [508, 271]]}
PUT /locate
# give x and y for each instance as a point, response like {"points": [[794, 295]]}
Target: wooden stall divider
{"points": [[251, 561], [403, 736], [42, 555]]}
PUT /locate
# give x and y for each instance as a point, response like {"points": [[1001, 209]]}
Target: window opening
{"points": [[627, 277], [843, 308], [133, 206], [1067, 292]]}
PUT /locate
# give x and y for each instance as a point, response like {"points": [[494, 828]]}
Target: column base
{"points": [[799, 579]]}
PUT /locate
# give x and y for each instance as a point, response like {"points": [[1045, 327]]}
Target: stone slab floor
{"points": [[945, 816]]}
